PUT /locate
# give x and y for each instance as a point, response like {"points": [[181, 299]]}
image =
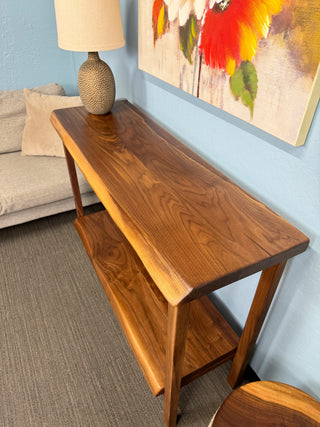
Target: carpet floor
{"points": [[64, 360]]}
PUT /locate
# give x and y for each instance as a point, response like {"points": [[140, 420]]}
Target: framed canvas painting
{"points": [[255, 59]]}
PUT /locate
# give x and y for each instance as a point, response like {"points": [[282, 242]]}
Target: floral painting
{"points": [[255, 59]]}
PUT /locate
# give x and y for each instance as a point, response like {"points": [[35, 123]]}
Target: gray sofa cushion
{"points": [[13, 115], [53, 208], [28, 181]]}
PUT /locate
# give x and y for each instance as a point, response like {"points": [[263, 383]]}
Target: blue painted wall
{"points": [[285, 178]]}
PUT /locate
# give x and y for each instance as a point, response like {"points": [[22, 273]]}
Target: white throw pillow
{"points": [[39, 136], [13, 115]]}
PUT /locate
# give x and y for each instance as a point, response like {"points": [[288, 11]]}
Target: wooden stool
{"points": [[267, 403]]}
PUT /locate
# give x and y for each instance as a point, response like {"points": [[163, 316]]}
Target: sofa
{"points": [[34, 180]]}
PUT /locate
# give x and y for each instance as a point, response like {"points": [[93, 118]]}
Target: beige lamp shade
{"points": [[89, 25]]}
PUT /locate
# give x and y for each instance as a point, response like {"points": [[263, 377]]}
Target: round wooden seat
{"points": [[268, 403]]}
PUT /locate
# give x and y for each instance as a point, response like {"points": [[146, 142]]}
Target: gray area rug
{"points": [[64, 360]]}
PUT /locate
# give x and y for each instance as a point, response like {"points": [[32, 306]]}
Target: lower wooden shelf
{"points": [[142, 310]]}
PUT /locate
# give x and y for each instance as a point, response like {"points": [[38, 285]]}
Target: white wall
{"points": [[285, 178]]}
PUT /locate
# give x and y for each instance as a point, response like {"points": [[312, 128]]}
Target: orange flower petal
{"points": [[248, 43]]}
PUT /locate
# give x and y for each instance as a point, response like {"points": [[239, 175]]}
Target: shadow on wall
{"points": [[136, 81], [223, 115], [295, 308]]}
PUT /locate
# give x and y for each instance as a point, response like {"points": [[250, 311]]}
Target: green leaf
{"points": [[188, 37], [247, 100], [250, 78], [244, 84], [237, 85]]}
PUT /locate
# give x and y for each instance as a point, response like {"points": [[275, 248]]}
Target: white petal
{"points": [[199, 6], [184, 12], [173, 9]]}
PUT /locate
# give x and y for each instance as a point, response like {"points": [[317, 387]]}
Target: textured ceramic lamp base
{"points": [[96, 85]]}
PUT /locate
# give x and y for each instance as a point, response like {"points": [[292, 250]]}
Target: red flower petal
{"points": [[229, 35]]}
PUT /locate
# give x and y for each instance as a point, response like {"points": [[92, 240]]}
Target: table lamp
{"points": [[91, 26]]}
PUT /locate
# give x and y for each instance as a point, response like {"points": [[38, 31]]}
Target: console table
{"points": [[173, 230]]}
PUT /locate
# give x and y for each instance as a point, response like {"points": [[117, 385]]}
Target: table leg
{"points": [[266, 289], [74, 182], [176, 343]]}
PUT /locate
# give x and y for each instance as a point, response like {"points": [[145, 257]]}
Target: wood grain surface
{"points": [[267, 403], [193, 228], [143, 312]]}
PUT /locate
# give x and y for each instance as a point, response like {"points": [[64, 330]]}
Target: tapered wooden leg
{"points": [[261, 302], [74, 183], [176, 343]]}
